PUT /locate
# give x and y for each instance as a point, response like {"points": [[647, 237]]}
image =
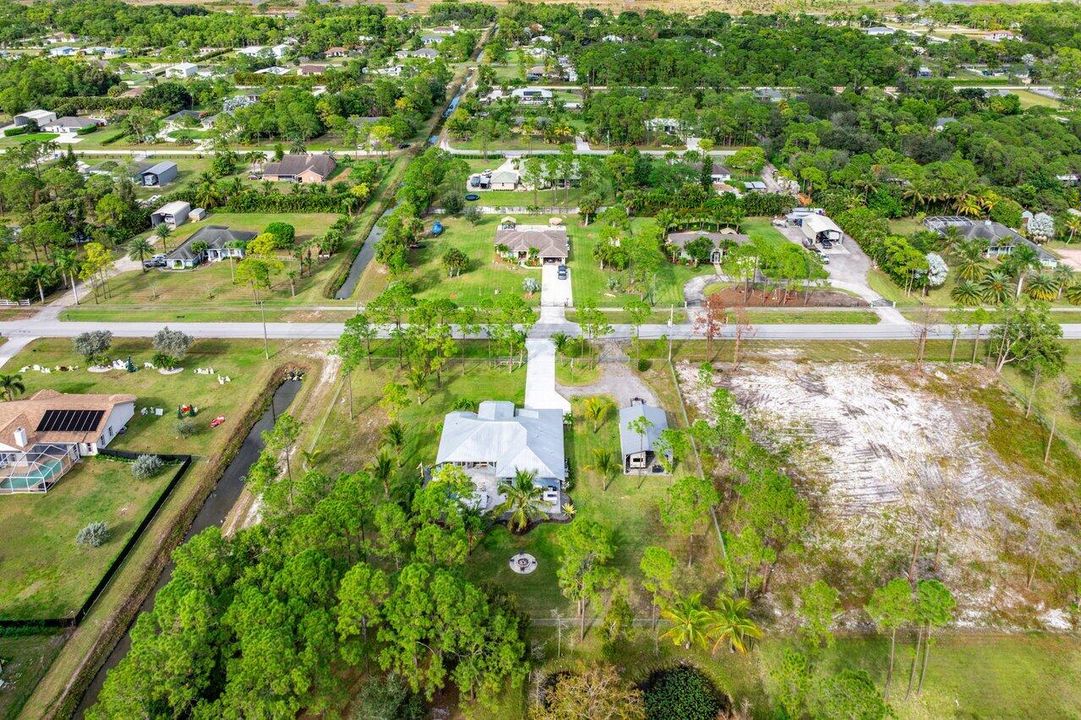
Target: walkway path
{"points": [[616, 380]]}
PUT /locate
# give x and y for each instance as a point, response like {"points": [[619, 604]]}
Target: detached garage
{"points": [[819, 228]]}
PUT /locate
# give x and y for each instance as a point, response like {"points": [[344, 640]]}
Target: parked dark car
{"points": [[827, 244], [403, 146], [561, 272]]}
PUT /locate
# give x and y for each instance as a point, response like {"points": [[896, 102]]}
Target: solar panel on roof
{"points": [[70, 420]]}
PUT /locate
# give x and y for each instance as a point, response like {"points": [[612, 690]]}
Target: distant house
{"points": [[429, 39], [531, 96], [311, 69], [547, 243], [172, 215], [69, 124], [768, 94], [236, 102], [637, 448], [535, 73], [252, 51], [43, 436], [497, 441], [669, 126], [32, 117], [878, 30], [425, 53], [924, 72], [336, 52], [182, 71], [1000, 240], [211, 243], [63, 51], [678, 241], [612, 39], [158, 175], [942, 122], [390, 71], [273, 70], [504, 180], [819, 228], [300, 168], [183, 116]]}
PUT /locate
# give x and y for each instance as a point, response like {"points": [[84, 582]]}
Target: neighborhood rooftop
{"points": [[505, 438]]}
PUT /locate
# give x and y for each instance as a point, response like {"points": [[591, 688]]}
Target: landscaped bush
{"points": [[93, 535], [146, 467], [186, 427], [682, 693]]}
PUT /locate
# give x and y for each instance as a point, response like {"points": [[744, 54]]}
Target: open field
{"points": [[46, 575], [25, 658], [486, 278]]}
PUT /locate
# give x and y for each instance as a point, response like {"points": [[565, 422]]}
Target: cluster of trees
{"points": [[25, 82], [56, 208], [342, 573]]}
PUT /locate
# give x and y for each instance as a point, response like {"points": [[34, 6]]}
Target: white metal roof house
{"points": [[182, 70], [498, 440], [636, 448]]}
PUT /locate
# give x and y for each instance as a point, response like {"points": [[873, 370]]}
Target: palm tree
{"points": [[970, 260], [997, 287], [1072, 293], [139, 248], [382, 469], [67, 262], [604, 462], [1043, 287], [966, 293], [969, 205], [1073, 224], [163, 232], [523, 500], [730, 623], [1019, 263], [595, 409], [12, 385], [689, 621]]}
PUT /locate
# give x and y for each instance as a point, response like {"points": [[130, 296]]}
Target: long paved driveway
{"points": [[540, 377]]}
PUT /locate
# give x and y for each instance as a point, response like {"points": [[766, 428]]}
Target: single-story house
{"points": [[768, 94], [426, 53], [430, 39], [273, 70], [680, 240], [220, 243], [504, 180], [817, 228], [535, 73], [390, 71], [43, 436], [63, 51], [1000, 239], [252, 50], [300, 168], [183, 116], [230, 104], [497, 441], [548, 243], [670, 126], [69, 124], [635, 447], [40, 117], [531, 96], [182, 71], [878, 30], [308, 70], [172, 214], [158, 175], [335, 52]]}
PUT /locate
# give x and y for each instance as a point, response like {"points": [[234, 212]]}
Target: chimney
{"points": [[20, 437]]}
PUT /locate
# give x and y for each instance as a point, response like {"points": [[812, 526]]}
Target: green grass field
{"points": [[486, 276], [46, 575], [210, 286], [25, 658]]}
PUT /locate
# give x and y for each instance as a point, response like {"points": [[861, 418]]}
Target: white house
{"points": [[532, 95], [182, 71], [499, 440], [42, 437]]}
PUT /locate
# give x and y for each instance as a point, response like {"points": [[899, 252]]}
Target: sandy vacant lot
{"points": [[885, 453]]}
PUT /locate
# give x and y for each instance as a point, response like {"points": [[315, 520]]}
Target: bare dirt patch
{"points": [[887, 454], [735, 297]]}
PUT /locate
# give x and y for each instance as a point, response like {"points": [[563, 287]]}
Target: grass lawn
{"points": [[525, 198], [25, 658], [1031, 99], [486, 277], [590, 283], [210, 286], [888, 289], [41, 137], [905, 226], [46, 575], [581, 373]]}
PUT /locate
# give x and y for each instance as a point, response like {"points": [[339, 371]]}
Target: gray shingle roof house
{"points": [[635, 448], [1000, 239], [68, 123], [681, 239], [506, 439], [550, 241], [160, 174], [300, 168], [218, 240]]}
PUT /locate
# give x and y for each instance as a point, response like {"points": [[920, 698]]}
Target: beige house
{"points": [[544, 243], [300, 168]]}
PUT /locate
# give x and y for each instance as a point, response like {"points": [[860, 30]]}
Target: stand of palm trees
{"points": [[1019, 273], [727, 624]]}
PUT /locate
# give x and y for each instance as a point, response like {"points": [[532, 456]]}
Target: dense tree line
{"points": [[25, 82]]}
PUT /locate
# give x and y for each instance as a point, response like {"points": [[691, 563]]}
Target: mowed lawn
{"points": [[486, 277], [46, 575], [211, 284]]}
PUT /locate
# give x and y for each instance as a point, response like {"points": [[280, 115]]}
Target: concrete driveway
{"points": [[555, 295], [540, 377]]}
